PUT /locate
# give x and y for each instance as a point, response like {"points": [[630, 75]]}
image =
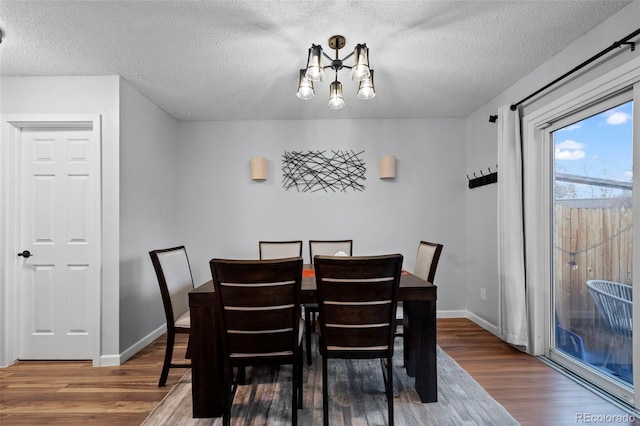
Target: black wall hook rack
{"points": [[483, 179]]}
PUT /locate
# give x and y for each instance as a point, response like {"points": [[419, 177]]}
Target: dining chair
{"points": [[357, 299], [325, 248], [279, 249], [426, 265], [258, 315], [174, 277]]}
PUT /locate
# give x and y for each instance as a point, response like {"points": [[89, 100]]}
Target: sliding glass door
{"points": [[592, 244]]}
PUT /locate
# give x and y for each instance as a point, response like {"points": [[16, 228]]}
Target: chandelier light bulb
{"points": [[360, 69], [336, 100], [315, 70], [366, 90], [305, 87]]}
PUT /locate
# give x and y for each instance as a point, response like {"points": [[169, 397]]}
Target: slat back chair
{"points": [[427, 260], [175, 280], [279, 249], [258, 312], [330, 248], [357, 299], [614, 302], [426, 265], [326, 248]]}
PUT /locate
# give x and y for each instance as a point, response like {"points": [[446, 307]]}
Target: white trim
{"points": [[636, 253], [537, 187], [113, 360], [10, 129], [533, 127], [110, 360], [461, 313], [614, 81], [493, 329]]}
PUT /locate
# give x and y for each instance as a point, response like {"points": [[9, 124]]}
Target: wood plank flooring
{"points": [[73, 393]]}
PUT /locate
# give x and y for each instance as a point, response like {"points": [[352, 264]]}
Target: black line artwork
{"points": [[312, 171]]}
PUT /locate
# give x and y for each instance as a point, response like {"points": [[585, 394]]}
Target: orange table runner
{"points": [[312, 272]]}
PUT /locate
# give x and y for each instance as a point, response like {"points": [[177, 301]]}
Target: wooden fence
{"points": [[590, 243]]}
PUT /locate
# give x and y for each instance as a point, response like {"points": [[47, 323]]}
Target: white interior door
{"points": [[58, 242]]}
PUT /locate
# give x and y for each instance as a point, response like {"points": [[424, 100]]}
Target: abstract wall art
{"points": [[329, 171]]}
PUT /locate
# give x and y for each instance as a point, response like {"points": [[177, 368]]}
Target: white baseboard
{"points": [[452, 314], [483, 323], [463, 313], [113, 360], [109, 361]]}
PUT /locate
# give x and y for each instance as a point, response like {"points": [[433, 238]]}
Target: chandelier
{"points": [[314, 72]]}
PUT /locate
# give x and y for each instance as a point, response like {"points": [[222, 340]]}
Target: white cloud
{"points": [[569, 154], [618, 117], [628, 174], [569, 150], [569, 144]]}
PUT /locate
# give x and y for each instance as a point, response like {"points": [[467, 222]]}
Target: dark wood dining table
{"points": [[419, 305]]}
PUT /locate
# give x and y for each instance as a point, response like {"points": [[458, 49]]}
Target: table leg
{"points": [[207, 387], [420, 347]]}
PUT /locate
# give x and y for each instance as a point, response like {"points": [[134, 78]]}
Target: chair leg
{"points": [[171, 337], [390, 389], [307, 334], [406, 335], [294, 393], [609, 352], [241, 377], [300, 379], [226, 420], [325, 393]]}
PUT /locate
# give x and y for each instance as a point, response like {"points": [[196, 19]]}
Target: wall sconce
{"points": [[259, 168], [387, 167]]}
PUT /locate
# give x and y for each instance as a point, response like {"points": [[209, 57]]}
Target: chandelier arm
{"points": [[327, 56], [348, 56]]}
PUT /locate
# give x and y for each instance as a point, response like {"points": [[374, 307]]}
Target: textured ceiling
{"points": [[227, 60]]}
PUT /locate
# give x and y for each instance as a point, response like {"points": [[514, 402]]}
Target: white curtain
{"points": [[511, 260]]}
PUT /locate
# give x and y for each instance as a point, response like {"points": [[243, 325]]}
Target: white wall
{"points": [[148, 211], [481, 148], [201, 171], [224, 213], [83, 95]]}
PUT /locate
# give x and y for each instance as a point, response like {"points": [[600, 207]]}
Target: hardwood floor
{"points": [[73, 393], [534, 393]]}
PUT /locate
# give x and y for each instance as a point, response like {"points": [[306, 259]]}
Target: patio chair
{"points": [[614, 303], [570, 343]]}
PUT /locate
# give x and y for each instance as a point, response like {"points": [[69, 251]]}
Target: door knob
{"points": [[26, 254]]}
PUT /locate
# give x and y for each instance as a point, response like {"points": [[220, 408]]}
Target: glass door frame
{"points": [[537, 193], [582, 369]]}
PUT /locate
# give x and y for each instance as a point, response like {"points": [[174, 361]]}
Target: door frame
{"points": [[10, 189], [537, 186]]}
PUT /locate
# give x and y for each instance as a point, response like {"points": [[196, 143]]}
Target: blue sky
{"points": [[599, 146]]}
